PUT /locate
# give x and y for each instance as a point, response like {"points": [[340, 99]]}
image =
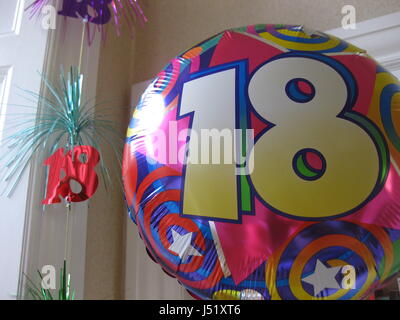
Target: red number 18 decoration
{"points": [[67, 166]]}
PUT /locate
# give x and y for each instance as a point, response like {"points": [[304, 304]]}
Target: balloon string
{"points": [[68, 205], [67, 224], [67, 231], [82, 44]]}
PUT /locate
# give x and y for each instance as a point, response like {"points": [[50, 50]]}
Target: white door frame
{"points": [[22, 54], [143, 278]]}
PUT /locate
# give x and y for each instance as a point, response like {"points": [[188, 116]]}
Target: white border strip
{"points": [[221, 257], [364, 28], [379, 36]]}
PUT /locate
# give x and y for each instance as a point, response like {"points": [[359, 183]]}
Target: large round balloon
{"points": [[263, 163]]}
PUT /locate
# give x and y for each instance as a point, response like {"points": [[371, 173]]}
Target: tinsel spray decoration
{"points": [[99, 14], [69, 134]]}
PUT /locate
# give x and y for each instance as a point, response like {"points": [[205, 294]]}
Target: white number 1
{"points": [[210, 190]]}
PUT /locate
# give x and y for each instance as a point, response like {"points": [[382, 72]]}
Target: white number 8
{"points": [[348, 154]]}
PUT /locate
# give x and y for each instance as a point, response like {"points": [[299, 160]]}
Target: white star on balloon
{"points": [[182, 246], [323, 278]]}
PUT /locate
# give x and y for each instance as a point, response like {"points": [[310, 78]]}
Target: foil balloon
{"points": [[77, 165], [263, 163]]}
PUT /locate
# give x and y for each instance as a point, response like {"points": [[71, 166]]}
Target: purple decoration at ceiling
{"points": [[81, 9]]}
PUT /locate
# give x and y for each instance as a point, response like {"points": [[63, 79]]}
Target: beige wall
{"points": [[106, 219], [175, 25]]}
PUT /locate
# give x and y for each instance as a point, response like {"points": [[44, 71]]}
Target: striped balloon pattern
{"points": [[216, 259]]}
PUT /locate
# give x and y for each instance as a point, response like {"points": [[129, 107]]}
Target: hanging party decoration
{"points": [[263, 163], [98, 13], [67, 132], [64, 132]]}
